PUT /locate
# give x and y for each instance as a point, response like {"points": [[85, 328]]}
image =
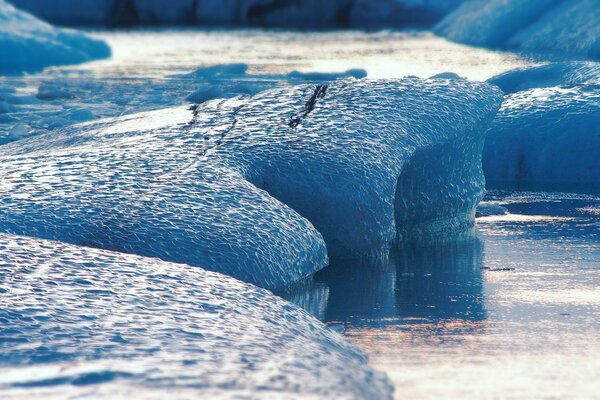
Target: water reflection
{"points": [[425, 284]]}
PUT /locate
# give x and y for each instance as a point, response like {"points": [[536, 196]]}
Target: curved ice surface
{"points": [[490, 22], [572, 27], [564, 27], [79, 322], [223, 185], [546, 136], [554, 74], [29, 45]]}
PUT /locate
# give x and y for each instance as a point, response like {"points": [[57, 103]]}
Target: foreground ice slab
{"points": [[236, 185], [564, 27], [79, 322], [554, 74], [29, 45], [548, 136]]}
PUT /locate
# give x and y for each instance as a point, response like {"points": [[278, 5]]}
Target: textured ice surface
{"points": [[546, 136], [572, 27], [563, 27], [366, 162], [286, 13], [548, 75], [28, 44], [491, 22], [79, 322]]}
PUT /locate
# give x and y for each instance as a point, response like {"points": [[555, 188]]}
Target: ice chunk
{"points": [[223, 185], [357, 73], [573, 27], [490, 22], [548, 75], [446, 75], [29, 45], [563, 27], [140, 327], [230, 80], [72, 12], [547, 137]]}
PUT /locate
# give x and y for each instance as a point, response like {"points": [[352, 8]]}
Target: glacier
{"points": [[570, 28], [79, 322], [548, 137], [29, 45], [261, 188]]}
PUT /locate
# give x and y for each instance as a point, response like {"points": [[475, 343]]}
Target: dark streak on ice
{"points": [[319, 92]]}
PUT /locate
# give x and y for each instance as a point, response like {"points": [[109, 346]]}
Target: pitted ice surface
{"points": [[79, 322], [257, 187]]}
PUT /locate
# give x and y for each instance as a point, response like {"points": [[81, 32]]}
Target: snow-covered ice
{"points": [[539, 26], [29, 45], [548, 136], [239, 185], [567, 73], [80, 322]]}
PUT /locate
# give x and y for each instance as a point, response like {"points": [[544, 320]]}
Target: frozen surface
{"points": [[151, 70], [546, 136], [572, 28], [567, 73], [29, 45], [513, 314], [368, 163], [286, 13], [80, 322], [539, 26]]}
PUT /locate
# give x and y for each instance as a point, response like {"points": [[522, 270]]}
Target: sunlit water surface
{"points": [[141, 74], [513, 313]]}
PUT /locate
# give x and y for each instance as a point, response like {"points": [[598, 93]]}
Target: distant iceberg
{"points": [[29, 45], [287, 13], [263, 188], [81, 322], [569, 28]]}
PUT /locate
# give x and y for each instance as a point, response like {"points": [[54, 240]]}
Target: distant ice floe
{"points": [[563, 27], [80, 322], [29, 45], [263, 188], [230, 80]]}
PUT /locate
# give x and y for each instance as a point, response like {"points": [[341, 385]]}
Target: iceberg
{"points": [[375, 14], [567, 73], [261, 188], [571, 28], [29, 45], [81, 322], [546, 136], [490, 23], [539, 26], [297, 13]]}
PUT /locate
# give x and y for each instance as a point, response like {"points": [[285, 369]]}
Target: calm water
{"points": [[512, 313]]}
